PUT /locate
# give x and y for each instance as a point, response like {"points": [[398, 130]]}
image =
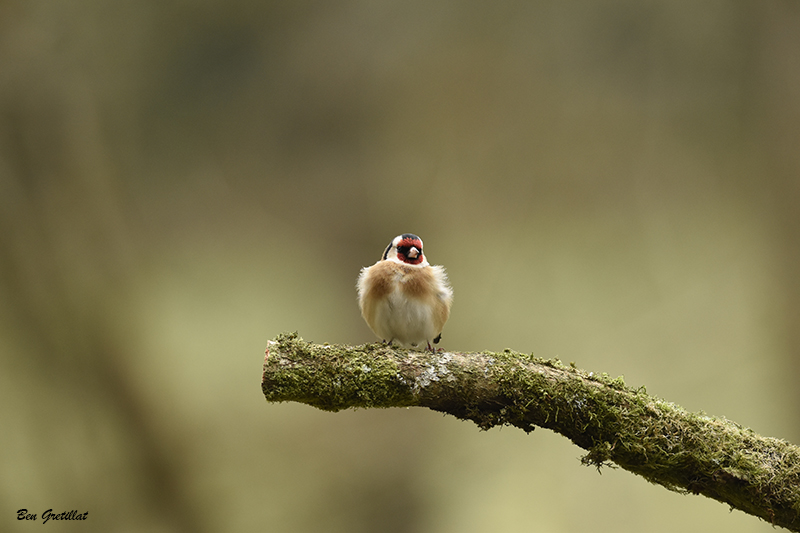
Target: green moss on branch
{"points": [[683, 451]]}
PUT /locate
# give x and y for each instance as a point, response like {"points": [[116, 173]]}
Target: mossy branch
{"points": [[683, 451]]}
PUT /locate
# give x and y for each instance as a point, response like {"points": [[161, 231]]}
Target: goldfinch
{"points": [[402, 297]]}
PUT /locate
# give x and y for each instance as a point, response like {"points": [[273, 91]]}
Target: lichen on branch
{"points": [[615, 424]]}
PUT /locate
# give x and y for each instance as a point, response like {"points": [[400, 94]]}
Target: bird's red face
{"points": [[408, 248]]}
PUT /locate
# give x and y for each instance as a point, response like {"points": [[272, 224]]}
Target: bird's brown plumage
{"points": [[406, 303]]}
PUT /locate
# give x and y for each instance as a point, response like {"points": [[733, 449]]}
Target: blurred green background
{"points": [[611, 183]]}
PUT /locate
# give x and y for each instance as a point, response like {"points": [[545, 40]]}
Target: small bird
{"points": [[402, 297]]}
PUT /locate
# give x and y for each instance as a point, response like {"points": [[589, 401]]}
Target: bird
{"points": [[402, 297]]}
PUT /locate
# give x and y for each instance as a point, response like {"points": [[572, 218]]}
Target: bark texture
{"points": [[615, 424]]}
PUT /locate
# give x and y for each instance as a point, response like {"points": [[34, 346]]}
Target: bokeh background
{"points": [[611, 183]]}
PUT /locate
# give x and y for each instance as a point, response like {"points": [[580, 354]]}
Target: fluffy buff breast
{"points": [[404, 303]]}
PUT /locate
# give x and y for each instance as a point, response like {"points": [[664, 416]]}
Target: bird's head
{"points": [[405, 248]]}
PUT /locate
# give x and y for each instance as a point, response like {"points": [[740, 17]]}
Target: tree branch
{"points": [[683, 451]]}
